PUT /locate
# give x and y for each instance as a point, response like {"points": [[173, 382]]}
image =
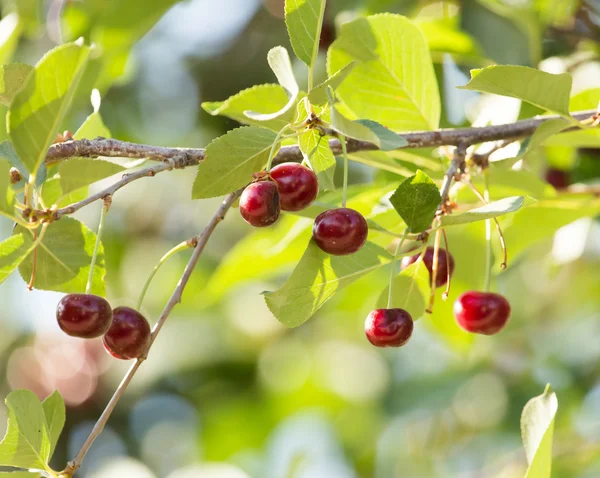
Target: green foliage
{"points": [[318, 95], [7, 194], [493, 209], [10, 30], [304, 19], [316, 150], [12, 252], [537, 430], [410, 290], [416, 200], [80, 172], [13, 78]]}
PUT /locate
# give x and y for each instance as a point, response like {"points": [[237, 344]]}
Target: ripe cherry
{"points": [[340, 231], [557, 178], [298, 185], [259, 203], [445, 262], [388, 327], [481, 312], [129, 334], [84, 315]]}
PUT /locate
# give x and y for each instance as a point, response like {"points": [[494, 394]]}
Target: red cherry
{"points": [[298, 185], [445, 261], [129, 334], [481, 312], [259, 203], [389, 327], [84, 315], [340, 231], [557, 178]]}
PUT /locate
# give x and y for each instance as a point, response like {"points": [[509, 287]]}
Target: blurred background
{"points": [[227, 391]]}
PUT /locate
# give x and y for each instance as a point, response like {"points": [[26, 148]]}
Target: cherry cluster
{"points": [[126, 332]]}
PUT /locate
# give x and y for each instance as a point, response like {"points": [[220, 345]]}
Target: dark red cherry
{"points": [[388, 327], [259, 203], [481, 312], [84, 315], [298, 185], [129, 334], [445, 261], [557, 178], [340, 231]]}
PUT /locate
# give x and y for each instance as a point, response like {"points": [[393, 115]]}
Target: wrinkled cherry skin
{"points": [[481, 312], [129, 334], [298, 185], [558, 178], [445, 261], [340, 231], [389, 327], [259, 203], [84, 315]]}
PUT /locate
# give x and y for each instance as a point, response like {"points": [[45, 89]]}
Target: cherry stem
{"points": [[393, 267], [278, 139], [447, 291], [36, 242], [434, 268], [105, 207], [342, 139], [178, 248], [488, 236]]}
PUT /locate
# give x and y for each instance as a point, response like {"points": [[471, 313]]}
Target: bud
{"points": [[15, 176]]}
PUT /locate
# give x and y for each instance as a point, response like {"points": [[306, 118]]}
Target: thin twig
{"points": [[455, 166], [173, 301]]}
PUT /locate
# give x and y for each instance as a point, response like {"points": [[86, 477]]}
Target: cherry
{"points": [[129, 334], [445, 261], [388, 327], [298, 185], [340, 231], [557, 178], [84, 315], [481, 312], [259, 203]]}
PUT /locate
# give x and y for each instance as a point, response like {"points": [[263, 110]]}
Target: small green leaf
{"points": [[546, 130], [315, 149], [7, 193], [63, 259], [544, 90], [7, 151], [279, 61], [31, 14], [349, 128], [387, 140], [537, 429], [12, 252], [52, 193], [318, 95], [417, 200], [493, 209], [79, 172], [584, 138], [93, 126], [317, 277], [13, 78], [38, 110], [381, 160], [304, 19], [231, 160], [54, 411], [410, 290]]}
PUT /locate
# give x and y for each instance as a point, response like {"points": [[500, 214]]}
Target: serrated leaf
{"points": [[493, 209], [63, 259], [13, 78], [13, 251], [537, 429], [26, 443], [410, 290], [54, 411], [417, 200], [79, 172], [304, 19], [7, 193], [279, 61], [393, 82], [315, 149], [231, 160], [317, 277], [38, 110], [318, 95], [544, 90], [386, 140]]}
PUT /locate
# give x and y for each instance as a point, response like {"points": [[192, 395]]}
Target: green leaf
{"points": [[7, 193], [26, 443], [380, 160], [584, 138], [493, 209], [349, 128], [304, 19], [318, 95], [13, 78], [38, 110], [537, 429], [279, 61], [585, 100], [79, 172], [544, 90], [267, 98], [410, 290], [93, 126], [317, 277], [54, 411], [52, 193], [417, 200], [31, 14], [386, 140], [231, 160], [545, 131], [7, 151], [19, 474], [393, 82], [12, 252], [63, 259], [315, 149]]}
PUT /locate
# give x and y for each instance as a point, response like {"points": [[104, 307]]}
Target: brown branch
{"points": [[200, 241]]}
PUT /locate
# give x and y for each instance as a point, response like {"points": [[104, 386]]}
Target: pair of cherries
{"points": [[483, 313], [293, 187], [126, 332]]}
